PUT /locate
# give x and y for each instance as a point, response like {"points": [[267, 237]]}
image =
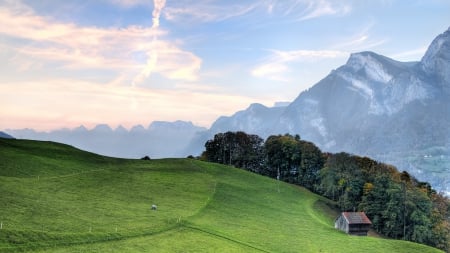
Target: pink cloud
{"points": [[76, 47]]}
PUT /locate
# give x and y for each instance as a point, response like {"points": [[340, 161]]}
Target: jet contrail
{"points": [[153, 55], [158, 5]]}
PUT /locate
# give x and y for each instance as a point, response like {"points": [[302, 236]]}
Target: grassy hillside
{"points": [[54, 198]]}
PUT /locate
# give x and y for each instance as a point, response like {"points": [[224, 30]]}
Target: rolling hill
{"points": [[55, 198]]}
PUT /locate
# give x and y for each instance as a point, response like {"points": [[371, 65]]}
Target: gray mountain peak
{"points": [[436, 61]]}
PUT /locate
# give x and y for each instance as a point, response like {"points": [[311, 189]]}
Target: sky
{"points": [[129, 62]]}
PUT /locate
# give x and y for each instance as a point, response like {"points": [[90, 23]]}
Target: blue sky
{"points": [[128, 62]]}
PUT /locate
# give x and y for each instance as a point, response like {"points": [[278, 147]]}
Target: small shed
{"points": [[353, 223]]}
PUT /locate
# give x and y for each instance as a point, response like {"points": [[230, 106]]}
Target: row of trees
{"points": [[399, 205]]}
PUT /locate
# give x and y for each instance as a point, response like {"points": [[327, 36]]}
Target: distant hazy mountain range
{"points": [[396, 112], [159, 139]]}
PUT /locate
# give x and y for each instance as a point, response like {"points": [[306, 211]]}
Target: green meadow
{"points": [[55, 198]]}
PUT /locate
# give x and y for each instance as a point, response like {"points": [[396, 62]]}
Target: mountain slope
{"points": [[256, 119], [59, 199], [5, 135]]}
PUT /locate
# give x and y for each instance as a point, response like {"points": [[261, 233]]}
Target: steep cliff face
{"points": [[436, 61]]}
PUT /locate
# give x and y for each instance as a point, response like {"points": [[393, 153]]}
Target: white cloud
{"points": [[276, 66], [319, 8], [300, 10], [206, 11], [152, 59], [158, 6], [411, 55], [129, 3], [360, 40], [272, 70], [212, 11]]}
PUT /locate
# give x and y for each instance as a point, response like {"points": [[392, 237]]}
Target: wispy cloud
{"points": [[48, 41], [152, 55], [276, 65], [206, 11], [294, 10], [300, 10], [360, 40], [319, 8], [411, 55], [129, 3], [158, 6]]}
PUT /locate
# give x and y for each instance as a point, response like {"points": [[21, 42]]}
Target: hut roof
{"points": [[356, 218]]}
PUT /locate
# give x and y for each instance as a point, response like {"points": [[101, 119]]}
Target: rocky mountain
{"points": [[160, 139], [396, 112]]}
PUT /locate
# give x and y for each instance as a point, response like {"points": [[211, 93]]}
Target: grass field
{"points": [[54, 198]]}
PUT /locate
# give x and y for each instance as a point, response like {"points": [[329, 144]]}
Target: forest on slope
{"points": [[399, 205]]}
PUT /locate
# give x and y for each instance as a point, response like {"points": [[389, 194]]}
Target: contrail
{"points": [[158, 4], [153, 55]]}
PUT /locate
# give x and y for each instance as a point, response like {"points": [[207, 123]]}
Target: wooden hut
{"points": [[353, 223]]}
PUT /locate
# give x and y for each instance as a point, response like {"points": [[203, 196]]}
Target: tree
{"points": [[311, 162], [392, 213], [283, 156], [236, 148], [341, 180], [440, 221], [374, 200]]}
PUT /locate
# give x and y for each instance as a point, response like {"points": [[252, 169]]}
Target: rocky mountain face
{"points": [[160, 139]]}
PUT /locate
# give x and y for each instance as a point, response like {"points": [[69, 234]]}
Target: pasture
{"points": [[55, 198]]}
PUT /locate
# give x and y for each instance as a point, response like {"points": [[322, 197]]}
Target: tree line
{"points": [[399, 205]]}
